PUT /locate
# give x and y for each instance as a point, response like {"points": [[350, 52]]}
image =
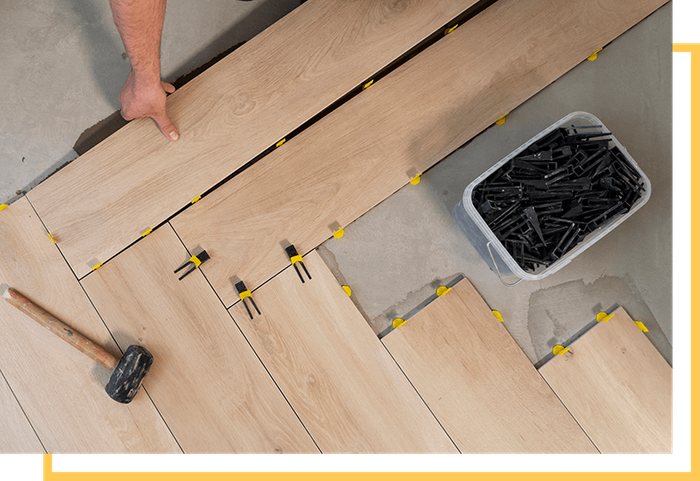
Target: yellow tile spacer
{"points": [[196, 199], [498, 316], [245, 294], [604, 317], [195, 260], [502, 120], [367, 84], [147, 232], [347, 290], [339, 233], [97, 266], [442, 290], [641, 326], [51, 237], [595, 55], [398, 322], [559, 350], [451, 29], [278, 144], [3, 206], [296, 259], [416, 180]]}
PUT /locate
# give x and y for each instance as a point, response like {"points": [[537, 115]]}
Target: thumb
{"points": [[166, 126], [168, 87]]}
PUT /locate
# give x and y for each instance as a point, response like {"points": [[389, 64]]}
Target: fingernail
{"points": [[174, 135]]}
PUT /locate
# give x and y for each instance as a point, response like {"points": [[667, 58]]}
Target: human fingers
{"points": [[166, 126], [126, 116], [168, 87]]}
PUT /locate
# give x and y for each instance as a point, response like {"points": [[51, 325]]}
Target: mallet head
{"points": [[126, 378]]}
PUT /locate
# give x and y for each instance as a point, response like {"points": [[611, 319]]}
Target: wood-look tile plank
{"points": [[206, 380], [61, 389], [16, 434], [618, 387], [247, 102], [340, 380], [354, 158], [479, 383]]}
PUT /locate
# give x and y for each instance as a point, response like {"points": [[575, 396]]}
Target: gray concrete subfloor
{"points": [[62, 65], [397, 254]]}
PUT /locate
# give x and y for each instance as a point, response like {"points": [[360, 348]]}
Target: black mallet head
{"points": [[126, 378]]}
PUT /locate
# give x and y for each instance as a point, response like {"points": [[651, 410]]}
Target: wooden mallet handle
{"points": [[72, 337]]}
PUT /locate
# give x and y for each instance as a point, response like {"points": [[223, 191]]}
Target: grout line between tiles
{"points": [[78, 280], [421, 397], [23, 411], [248, 342], [567, 410], [454, 282], [105, 325]]}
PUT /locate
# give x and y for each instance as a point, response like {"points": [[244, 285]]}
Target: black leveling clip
{"points": [[196, 261], [555, 192], [244, 294], [295, 258]]}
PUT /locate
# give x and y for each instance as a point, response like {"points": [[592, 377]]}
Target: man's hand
{"points": [[143, 97], [140, 24]]}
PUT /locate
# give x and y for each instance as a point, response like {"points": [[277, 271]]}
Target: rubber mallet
{"points": [[127, 372]]}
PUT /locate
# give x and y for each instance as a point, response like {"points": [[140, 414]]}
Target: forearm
{"points": [[140, 24]]}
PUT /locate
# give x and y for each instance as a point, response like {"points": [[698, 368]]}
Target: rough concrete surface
{"points": [[395, 256]]}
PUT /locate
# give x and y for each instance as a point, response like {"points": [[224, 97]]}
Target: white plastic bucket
{"points": [[492, 250]]}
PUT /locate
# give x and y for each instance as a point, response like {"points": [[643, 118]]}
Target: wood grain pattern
{"points": [[16, 434], [61, 389], [340, 380], [479, 383], [244, 104], [370, 147], [618, 387], [206, 380]]}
